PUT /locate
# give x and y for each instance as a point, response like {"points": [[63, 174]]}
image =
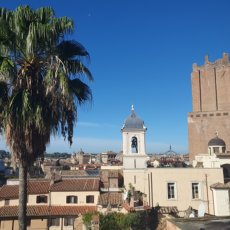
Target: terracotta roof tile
{"points": [[76, 185], [42, 187], [76, 173], [38, 187], [12, 211], [168, 209], [34, 187], [114, 199], [8, 191]]}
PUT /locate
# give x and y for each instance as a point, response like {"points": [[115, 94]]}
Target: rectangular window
{"points": [[41, 199], [134, 179], [28, 222], [195, 191], [54, 222], [7, 202], [89, 199], [69, 221], [171, 191], [216, 149], [71, 199]]}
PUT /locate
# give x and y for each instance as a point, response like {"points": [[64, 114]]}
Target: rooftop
{"points": [[44, 210]]}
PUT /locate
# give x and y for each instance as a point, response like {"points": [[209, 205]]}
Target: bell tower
{"points": [[133, 135]]}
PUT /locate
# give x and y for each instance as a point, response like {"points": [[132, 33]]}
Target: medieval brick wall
{"points": [[211, 105]]}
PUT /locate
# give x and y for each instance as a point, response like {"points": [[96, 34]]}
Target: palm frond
{"points": [[81, 91], [76, 68], [44, 14], [3, 92], [71, 49]]}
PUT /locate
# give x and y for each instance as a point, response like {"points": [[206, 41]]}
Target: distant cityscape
{"points": [[161, 191]]}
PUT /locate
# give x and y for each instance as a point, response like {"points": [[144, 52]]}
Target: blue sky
{"points": [[142, 53]]}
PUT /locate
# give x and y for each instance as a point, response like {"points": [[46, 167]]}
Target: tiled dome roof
{"points": [[133, 122], [216, 142]]}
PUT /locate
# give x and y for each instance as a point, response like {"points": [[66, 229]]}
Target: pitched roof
{"points": [[76, 185], [34, 187], [45, 210], [114, 199], [168, 209], [38, 187], [8, 191], [43, 187]]}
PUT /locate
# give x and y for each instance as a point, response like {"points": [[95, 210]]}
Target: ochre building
{"points": [[210, 105]]}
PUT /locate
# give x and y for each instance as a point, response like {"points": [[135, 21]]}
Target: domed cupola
{"points": [[216, 141], [216, 145], [133, 122], [133, 136]]}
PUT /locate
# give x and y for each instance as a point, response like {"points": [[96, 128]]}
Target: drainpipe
{"points": [[13, 224], [49, 209], [206, 181], [152, 188], [62, 223], [213, 203]]}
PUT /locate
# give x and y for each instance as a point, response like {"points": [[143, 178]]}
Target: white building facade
{"points": [[166, 187]]}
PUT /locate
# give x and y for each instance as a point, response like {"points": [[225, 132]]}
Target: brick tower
{"points": [[211, 105]]}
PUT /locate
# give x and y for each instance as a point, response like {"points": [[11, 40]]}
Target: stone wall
{"points": [[211, 105]]}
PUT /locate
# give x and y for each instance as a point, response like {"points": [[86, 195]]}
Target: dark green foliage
{"points": [[40, 85], [141, 220]]}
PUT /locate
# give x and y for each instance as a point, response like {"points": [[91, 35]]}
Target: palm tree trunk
{"points": [[22, 195]]}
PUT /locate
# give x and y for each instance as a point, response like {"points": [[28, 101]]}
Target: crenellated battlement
{"points": [[219, 63], [211, 104]]}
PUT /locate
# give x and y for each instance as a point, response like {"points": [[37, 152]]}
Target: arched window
{"points": [[134, 145]]}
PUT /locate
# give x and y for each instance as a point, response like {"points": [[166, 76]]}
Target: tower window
{"points": [[216, 149], [134, 145]]}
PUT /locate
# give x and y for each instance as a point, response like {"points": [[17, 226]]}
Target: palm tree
{"points": [[41, 85]]}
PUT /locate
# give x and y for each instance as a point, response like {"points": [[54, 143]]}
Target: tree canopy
{"points": [[40, 79], [41, 85]]}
